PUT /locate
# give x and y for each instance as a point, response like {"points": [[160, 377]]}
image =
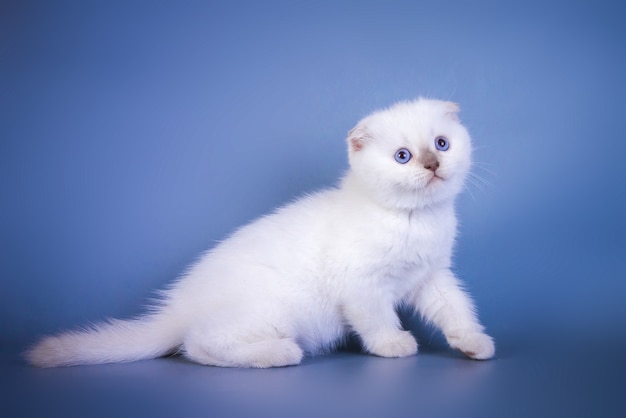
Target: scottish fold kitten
{"points": [[339, 261]]}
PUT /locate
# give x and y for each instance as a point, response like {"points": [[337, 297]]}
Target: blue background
{"points": [[134, 135]]}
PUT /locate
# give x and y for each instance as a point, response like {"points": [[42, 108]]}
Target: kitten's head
{"points": [[411, 155]]}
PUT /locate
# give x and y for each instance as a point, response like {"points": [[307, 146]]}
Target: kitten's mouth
{"points": [[435, 178]]}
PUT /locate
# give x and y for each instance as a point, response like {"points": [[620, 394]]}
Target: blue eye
{"points": [[403, 156], [441, 143]]}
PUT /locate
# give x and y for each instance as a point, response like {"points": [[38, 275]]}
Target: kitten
{"points": [[340, 261]]}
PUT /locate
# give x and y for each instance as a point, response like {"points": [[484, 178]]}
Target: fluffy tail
{"points": [[114, 341]]}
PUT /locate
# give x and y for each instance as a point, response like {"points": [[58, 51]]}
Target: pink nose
{"points": [[430, 161]]}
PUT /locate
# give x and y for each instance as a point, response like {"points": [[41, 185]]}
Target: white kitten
{"points": [[342, 260]]}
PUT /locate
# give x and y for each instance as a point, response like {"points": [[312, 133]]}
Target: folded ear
{"points": [[452, 110], [357, 138]]}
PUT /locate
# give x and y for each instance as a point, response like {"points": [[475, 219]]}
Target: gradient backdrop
{"points": [[136, 134]]}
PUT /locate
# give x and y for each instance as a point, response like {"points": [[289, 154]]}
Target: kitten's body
{"points": [[342, 260]]}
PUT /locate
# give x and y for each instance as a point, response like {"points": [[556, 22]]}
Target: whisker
{"points": [[479, 178], [475, 184], [482, 167], [469, 191], [477, 148], [481, 164]]}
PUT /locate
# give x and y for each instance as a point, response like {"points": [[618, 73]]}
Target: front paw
{"points": [[475, 345], [392, 344]]}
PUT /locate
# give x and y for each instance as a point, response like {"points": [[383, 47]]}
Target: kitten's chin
{"points": [[415, 195], [432, 192], [419, 199]]}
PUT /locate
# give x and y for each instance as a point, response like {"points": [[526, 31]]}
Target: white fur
{"points": [[296, 282]]}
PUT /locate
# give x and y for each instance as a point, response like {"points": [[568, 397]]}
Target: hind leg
{"points": [[259, 350]]}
